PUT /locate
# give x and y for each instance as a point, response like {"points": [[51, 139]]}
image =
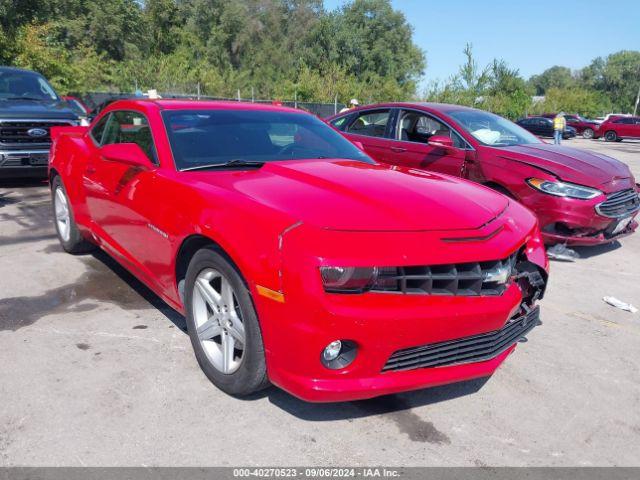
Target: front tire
{"points": [[69, 236], [611, 136], [223, 325], [587, 133]]}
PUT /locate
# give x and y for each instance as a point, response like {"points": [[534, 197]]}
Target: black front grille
{"points": [[464, 350], [619, 204], [462, 279], [15, 133]]}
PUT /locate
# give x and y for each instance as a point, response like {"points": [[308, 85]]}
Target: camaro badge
{"points": [[157, 230]]}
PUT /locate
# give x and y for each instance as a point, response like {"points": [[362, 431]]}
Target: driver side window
{"points": [[130, 127], [418, 127]]}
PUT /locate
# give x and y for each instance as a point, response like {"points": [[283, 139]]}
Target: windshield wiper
{"points": [[238, 162]]}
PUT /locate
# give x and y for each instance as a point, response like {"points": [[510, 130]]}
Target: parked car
{"points": [[583, 126], [29, 107], [580, 197], [77, 105], [295, 258], [543, 127], [615, 129]]}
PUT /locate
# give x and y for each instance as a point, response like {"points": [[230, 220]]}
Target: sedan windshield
{"points": [[201, 138], [492, 130], [18, 85]]}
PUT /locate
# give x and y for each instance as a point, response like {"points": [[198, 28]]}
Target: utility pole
{"points": [[635, 109]]}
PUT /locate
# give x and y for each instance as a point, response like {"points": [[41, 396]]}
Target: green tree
{"points": [[621, 79], [554, 77], [588, 103]]}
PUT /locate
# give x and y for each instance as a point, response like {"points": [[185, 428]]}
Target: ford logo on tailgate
{"points": [[37, 132]]}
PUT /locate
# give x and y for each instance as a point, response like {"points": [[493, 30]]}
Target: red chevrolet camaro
{"points": [[296, 259], [580, 197]]}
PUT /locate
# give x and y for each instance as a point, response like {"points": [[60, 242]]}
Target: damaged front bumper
{"points": [[589, 222], [377, 325]]}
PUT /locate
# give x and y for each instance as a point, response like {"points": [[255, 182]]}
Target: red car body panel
{"points": [[619, 125], [562, 220], [281, 222]]}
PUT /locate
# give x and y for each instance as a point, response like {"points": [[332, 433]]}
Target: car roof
{"points": [[440, 107], [21, 70], [181, 104]]}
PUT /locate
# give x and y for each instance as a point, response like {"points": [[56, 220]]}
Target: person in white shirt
{"points": [[353, 103]]}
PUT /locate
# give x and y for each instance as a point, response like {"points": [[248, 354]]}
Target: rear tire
{"points": [[611, 136], [587, 133], [69, 236], [223, 325]]}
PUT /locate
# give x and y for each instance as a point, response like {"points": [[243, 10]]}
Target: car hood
{"points": [[356, 196], [570, 164], [37, 110]]}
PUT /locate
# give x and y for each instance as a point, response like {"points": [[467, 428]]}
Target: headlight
{"points": [[563, 189], [348, 279]]}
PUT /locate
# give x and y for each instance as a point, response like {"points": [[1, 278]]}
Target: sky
{"points": [[530, 35]]}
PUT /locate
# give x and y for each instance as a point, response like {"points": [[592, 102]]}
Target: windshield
{"points": [[25, 85], [210, 137], [492, 130]]}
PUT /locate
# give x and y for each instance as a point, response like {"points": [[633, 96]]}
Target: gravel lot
{"points": [[95, 370]]}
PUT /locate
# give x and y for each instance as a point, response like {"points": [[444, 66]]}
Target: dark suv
{"points": [[29, 107]]}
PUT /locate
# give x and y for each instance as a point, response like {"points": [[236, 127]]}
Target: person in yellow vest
{"points": [[559, 125]]}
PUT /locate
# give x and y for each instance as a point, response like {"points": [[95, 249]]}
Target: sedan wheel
{"points": [[587, 133], [610, 136], [223, 325], [218, 321]]}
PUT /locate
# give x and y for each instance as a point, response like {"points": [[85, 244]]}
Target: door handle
{"points": [[91, 169], [398, 149]]}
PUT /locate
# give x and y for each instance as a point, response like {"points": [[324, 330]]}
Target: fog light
{"points": [[332, 350], [338, 354]]}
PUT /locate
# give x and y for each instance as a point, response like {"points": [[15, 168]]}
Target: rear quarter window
{"points": [[340, 123]]}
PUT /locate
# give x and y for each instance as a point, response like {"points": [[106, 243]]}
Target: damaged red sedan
{"points": [[295, 258], [580, 197]]}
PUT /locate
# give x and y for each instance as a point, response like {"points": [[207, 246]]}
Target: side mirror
{"points": [[441, 141], [127, 153], [358, 144]]}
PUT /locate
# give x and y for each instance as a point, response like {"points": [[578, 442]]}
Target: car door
{"points": [[371, 128], [118, 193], [625, 126], [635, 128], [545, 127], [411, 133], [535, 126]]}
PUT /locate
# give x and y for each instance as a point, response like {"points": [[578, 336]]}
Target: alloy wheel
{"points": [[218, 320], [63, 218]]}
